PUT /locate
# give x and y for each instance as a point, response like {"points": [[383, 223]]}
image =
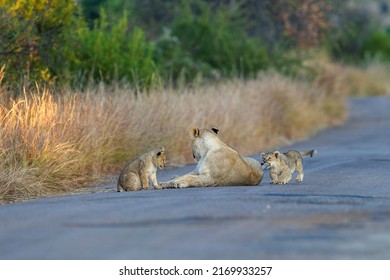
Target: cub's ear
{"points": [[262, 155], [215, 130], [194, 132], [160, 151], [276, 153]]}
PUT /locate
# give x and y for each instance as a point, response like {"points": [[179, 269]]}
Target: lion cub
{"points": [[282, 165], [138, 173]]}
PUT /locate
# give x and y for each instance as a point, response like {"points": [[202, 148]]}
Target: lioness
{"points": [[138, 173], [282, 165], [218, 164]]}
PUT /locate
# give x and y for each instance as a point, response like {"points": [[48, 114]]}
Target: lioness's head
{"points": [[203, 140], [270, 159], [160, 158]]}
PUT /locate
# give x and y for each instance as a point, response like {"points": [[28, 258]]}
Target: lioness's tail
{"points": [[308, 153]]}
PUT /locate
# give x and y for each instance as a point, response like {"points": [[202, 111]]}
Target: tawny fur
{"points": [[218, 164], [282, 165], [140, 172]]}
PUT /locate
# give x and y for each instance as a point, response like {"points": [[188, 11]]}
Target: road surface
{"points": [[340, 211]]}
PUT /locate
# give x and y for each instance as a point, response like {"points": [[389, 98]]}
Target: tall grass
{"points": [[371, 78], [54, 142]]}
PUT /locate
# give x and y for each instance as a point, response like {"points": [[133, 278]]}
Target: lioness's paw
{"points": [[169, 185], [163, 185], [174, 185]]}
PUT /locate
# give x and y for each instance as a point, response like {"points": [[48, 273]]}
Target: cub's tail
{"points": [[308, 153], [118, 184]]}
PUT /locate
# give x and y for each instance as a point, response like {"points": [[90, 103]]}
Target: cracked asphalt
{"points": [[340, 211]]}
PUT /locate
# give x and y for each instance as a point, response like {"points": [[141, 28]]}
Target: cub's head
{"points": [[202, 140], [270, 159], [159, 158]]}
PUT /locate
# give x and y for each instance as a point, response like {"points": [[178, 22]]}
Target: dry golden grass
{"points": [[345, 80], [55, 142], [372, 79]]}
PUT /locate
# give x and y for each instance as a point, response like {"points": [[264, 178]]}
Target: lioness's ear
{"points": [[162, 149], [262, 154], [276, 153], [216, 130], [158, 154], [195, 132]]}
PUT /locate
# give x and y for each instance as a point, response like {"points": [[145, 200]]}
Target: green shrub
{"points": [[213, 44], [44, 40], [347, 41], [33, 36], [113, 52], [377, 46]]}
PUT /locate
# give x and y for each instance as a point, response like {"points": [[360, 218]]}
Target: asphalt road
{"points": [[340, 211]]}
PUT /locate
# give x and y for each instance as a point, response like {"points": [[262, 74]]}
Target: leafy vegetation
{"points": [[111, 41], [213, 44], [34, 36], [110, 52]]}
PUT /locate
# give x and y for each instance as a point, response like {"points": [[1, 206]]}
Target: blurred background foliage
{"points": [[152, 43]]}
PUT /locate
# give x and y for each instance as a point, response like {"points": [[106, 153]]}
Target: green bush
{"points": [[111, 52], [352, 38], [377, 46], [33, 37], [214, 43], [51, 40]]}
